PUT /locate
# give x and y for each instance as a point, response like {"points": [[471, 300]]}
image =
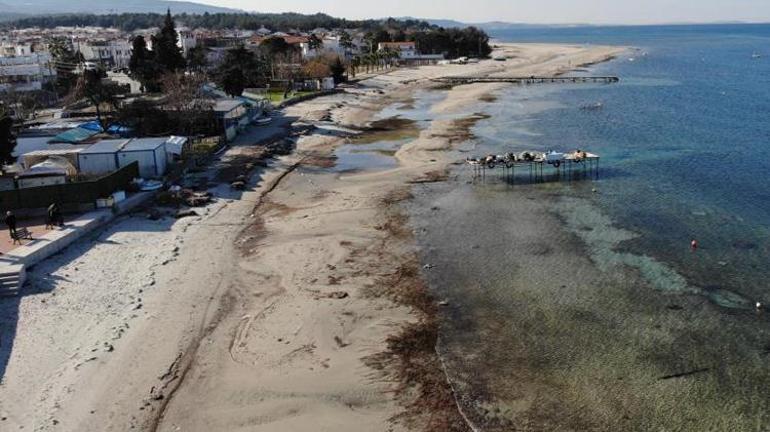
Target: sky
{"points": [[525, 11]]}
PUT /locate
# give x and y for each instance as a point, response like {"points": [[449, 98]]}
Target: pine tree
{"points": [[240, 69], [168, 54], [142, 65]]}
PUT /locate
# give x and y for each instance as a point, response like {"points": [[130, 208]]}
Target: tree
{"points": [[337, 69], [197, 58], [165, 46], [65, 61], [240, 69], [7, 137], [274, 46], [353, 65], [380, 35], [315, 43], [142, 66], [346, 42], [99, 93], [186, 101], [316, 69]]}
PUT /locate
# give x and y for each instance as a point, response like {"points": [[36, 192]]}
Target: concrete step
{"points": [[12, 278]]}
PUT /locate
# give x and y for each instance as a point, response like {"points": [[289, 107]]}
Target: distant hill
{"points": [[492, 25], [16, 8]]}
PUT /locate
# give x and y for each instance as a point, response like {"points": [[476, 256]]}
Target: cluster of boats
{"points": [[508, 160]]}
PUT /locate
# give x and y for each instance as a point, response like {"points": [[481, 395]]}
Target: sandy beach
{"points": [[286, 307]]}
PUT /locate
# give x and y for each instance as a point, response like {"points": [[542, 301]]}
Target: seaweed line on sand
{"points": [[411, 359]]}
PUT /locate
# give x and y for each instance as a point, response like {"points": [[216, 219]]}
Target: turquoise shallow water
{"points": [[576, 306], [684, 140]]}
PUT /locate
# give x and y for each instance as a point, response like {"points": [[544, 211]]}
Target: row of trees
{"points": [[246, 21], [453, 42]]}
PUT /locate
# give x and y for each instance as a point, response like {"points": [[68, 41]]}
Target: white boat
{"points": [[756, 56], [150, 185], [263, 121]]}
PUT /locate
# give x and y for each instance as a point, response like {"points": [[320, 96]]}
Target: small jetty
{"points": [[460, 80], [577, 164]]}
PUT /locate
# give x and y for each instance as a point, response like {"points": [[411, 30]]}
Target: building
{"points": [[408, 53], [405, 50], [28, 72], [109, 155], [49, 172], [150, 153], [330, 45], [21, 49], [233, 115], [187, 40], [115, 53], [59, 152]]}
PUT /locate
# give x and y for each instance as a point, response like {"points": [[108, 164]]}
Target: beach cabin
{"points": [[100, 158], [232, 115], [149, 152], [107, 156], [46, 173]]}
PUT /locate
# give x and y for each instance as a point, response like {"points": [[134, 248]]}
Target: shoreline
{"points": [[280, 341]]}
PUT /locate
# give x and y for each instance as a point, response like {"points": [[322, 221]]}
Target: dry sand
{"points": [[259, 314]]}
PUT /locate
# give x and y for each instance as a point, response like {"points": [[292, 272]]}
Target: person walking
{"points": [[10, 220], [54, 216]]}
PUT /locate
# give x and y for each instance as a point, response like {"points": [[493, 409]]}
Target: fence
{"points": [[69, 193]]}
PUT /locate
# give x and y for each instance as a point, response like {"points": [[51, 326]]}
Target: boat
{"points": [[263, 121], [756, 56], [592, 107], [150, 185]]}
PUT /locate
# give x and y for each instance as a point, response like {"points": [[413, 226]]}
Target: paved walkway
{"points": [[35, 225], [45, 243]]}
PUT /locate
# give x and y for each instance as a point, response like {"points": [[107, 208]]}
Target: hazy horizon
{"points": [[528, 11]]}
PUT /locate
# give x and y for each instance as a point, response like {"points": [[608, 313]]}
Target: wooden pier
{"points": [[460, 80], [569, 167]]}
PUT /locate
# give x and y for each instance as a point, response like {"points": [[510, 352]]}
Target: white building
{"points": [[8, 49], [331, 45], [408, 51], [107, 156], [114, 53], [405, 50], [187, 40], [25, 72]]}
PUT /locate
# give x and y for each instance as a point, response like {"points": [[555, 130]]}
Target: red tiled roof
{"points": [[397, 44], [291, 40]]}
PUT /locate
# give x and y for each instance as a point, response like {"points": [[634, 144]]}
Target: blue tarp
{"points": [[92, 125], [115, 129], [121, 130]]}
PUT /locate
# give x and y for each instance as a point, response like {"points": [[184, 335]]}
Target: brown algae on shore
{"points": [[389, 129], [410, 359], [460, 129]]}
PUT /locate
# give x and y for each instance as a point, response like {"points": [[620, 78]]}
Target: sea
{"points": [[582, 305]]}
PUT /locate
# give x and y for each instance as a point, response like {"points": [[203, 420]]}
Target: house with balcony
{"points": [[25, 72]]}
